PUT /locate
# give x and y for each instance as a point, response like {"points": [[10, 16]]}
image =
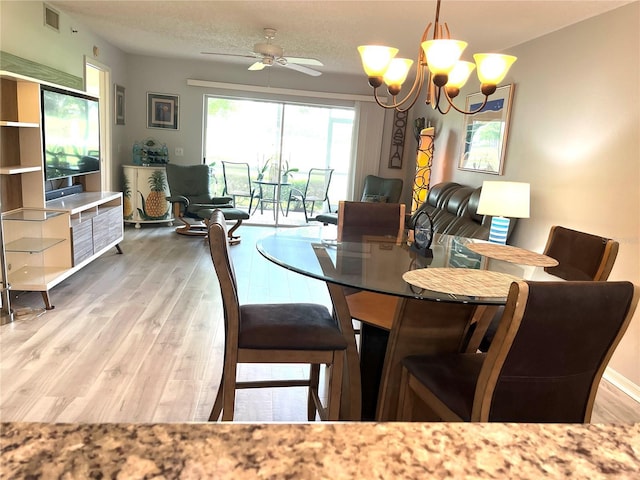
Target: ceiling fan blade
{"points": [[302, 69], [304, 61], [228, 54], [256, 66]]}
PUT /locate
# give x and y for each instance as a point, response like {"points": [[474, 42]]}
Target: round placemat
{"points": [[512, 254], [462, 281]]}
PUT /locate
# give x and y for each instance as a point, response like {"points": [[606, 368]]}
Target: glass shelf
{"points": [[32, 245], [33, 278], [30, 215]]}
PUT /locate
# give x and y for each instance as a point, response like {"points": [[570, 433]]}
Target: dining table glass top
{"points": [[379, 264]]}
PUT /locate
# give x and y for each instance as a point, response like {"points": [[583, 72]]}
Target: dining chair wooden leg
{"points": [[335, 385], [228, 386], [405, 399], [314, 380], [217, 406], [351, 399]]}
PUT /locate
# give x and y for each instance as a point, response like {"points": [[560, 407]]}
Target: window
{"points": [[274, 137]]}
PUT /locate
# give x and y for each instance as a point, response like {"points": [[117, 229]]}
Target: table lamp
{"points": [[503, 200]]}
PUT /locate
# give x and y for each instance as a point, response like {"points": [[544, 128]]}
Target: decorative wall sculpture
{"points": [[397, 142], [424, 160]]}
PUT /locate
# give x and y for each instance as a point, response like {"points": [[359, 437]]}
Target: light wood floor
{"points": [[137, 338]]}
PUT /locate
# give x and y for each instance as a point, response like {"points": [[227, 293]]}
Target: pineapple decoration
{"points": [[155, 206], [127, 207]]}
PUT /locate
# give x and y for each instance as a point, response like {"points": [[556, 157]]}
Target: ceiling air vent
{"points": [[51, 18]]}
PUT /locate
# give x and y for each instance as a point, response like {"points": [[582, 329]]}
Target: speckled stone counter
{"points": [[313, 451]]}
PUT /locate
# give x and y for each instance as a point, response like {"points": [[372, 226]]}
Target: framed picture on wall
{"points": [[484, 134], [119, 103], [162, 111]]}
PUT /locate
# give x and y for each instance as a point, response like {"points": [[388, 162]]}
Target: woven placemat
{"points": [[512, 254], [461, 281]]}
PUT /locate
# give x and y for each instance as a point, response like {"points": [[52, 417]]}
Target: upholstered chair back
{"points": [[359, 219], [581, 256], [549, 353], [221, 258], [385, 190], [190, 181]]}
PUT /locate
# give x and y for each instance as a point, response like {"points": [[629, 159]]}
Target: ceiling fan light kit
{"points": [[270, 54], [438, 64]]}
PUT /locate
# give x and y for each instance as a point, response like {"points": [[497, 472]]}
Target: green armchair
{"points": [[193, 204]]}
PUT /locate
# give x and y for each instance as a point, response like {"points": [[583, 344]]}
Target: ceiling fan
{"points": [[269, 54]]}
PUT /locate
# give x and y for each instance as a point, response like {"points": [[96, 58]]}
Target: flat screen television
{"points": [[71, 133]]}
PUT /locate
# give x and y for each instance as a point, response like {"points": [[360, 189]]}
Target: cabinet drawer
{"points": [[107, 227], [81, 241]]}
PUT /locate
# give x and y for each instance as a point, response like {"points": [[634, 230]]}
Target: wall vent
{"points": [[51, 18]]}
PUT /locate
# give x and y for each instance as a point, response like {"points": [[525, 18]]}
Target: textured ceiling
{"points": [[327, 30]]}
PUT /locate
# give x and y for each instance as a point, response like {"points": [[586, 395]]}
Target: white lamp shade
{"points": [[397, 72], [493, 67], [376, 58], [442, 55], [504, 199], [460, 74]]}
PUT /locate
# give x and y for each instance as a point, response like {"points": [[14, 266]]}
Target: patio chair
{"points": [[237, 182], [316, 190]]}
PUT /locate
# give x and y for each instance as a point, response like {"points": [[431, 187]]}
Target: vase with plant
{"points": [[287, 171], [262, 169]]}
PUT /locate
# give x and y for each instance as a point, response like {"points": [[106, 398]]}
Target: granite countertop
{"points": [[312, 451]]}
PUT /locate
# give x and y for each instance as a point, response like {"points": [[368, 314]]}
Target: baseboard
{"points": [[622, 383]]}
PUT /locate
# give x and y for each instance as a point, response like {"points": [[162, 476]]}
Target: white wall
{"points": [[574, 136], [22, 33]]}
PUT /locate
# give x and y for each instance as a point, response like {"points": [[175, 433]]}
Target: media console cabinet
{"points": [[44, 242]]}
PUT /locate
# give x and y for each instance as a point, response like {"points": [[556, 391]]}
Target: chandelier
{"points": [[439, 64]]}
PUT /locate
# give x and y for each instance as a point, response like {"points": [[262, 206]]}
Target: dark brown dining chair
{"points": [[370, 219], [544, 364], [380, 222], [273, 333], [580, 256]]}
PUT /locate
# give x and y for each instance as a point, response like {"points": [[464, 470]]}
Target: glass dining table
{"points": [[442, 302]]}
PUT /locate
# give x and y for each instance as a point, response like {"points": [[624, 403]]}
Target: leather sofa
{"points": [[453, 211]]}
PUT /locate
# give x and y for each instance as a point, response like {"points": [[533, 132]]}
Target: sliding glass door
{"points": [[280, 143]]}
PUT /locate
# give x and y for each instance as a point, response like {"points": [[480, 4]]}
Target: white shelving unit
{"points": [[44, 242]]}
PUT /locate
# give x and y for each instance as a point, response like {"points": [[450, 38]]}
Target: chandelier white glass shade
{"points": [[439, 64]]}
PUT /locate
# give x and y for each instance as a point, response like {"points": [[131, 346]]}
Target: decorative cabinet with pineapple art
{"points": [[145, 191]]}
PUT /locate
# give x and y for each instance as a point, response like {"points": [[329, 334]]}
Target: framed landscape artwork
{"points": [[119, 104], [162, 111], [485, 133]]}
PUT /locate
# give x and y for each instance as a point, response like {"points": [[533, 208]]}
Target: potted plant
{"points": [[286, 171], [262, 170]]}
